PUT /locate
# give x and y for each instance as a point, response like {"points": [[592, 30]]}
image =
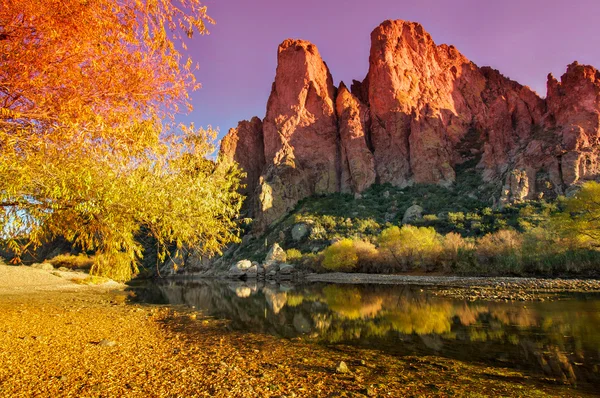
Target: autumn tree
{"points": [[88, 147], [410, 246], [579, 220]]}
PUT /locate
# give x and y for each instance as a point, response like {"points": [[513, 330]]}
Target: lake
{"points": [[559, 338]]}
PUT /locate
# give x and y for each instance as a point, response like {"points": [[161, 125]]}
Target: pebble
{"points": [[342, 367], [107, 343]]}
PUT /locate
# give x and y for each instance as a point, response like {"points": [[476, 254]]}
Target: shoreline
{"points": [[90, 341], [460, 287]]}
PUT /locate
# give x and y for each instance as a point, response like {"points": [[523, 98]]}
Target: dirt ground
{"points": [[59, 340]]}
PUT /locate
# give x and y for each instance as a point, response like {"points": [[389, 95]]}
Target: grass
{"points": [[73, 262]]}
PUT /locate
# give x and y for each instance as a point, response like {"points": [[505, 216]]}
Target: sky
{"points": [[524, 39]]}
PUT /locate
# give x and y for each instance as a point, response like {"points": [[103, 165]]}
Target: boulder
{"points": [[276, 254], [301, 324], [252, 272], [412, 214], [286, 269], [239, 269], [300, 231]]}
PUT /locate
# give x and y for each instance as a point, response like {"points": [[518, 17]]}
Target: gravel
{"points": [[472, 288]]}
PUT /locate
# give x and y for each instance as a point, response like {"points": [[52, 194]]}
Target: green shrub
{"points": [[456, 218], [293, 255]]}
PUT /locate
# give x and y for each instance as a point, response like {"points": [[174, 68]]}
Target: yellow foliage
{"points": [[85, 151], [293, 255], [499, 245], [340, 256], [411, 245], [580, 219], [422, 318]]}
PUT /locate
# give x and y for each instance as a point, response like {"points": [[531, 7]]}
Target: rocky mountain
{"points": [[422, 112]]}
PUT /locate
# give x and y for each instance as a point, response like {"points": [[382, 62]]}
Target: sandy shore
{"points": [[60, 340], [24, 279]]}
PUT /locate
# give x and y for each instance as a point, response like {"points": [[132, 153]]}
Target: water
{"points": [[560, 339]]}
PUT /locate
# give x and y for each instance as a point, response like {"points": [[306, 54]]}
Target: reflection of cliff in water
{"points": [[560, 339]]}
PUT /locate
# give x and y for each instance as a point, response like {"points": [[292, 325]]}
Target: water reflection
{"points": [[559, 338]]}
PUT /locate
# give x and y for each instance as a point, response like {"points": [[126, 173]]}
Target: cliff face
{"points": [[421, 111]]}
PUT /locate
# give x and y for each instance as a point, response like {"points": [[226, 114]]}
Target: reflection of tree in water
{"points": [[421, 318], [560, 339], [349, 303]]}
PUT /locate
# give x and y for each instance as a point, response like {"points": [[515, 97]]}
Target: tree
{"points": [[88, 147], [410, 245], [340, 256], [579, 220]]}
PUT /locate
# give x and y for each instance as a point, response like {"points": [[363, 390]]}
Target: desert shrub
{"points": [[411, 246], [456, 218], [80, 261], [311, 261], [455, 252], [329, 222], [368, 255], [487, 212], [500, 252], [293, 255], [430, 218], [317, 232], [340, 256], [367, 225]]}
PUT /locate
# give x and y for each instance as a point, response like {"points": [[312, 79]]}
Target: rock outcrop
{"points": [[574, 116], [245, 145], [426, 99], [357, 163], [300, 131], [421, 111]]}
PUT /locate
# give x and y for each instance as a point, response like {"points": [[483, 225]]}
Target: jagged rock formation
{"points": [[421, 111], [245, 145], [300, 132], [357, 162]]}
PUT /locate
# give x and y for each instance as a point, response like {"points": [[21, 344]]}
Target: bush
{"points": [[340, 256], [80, 261], [293, 255], [455, 251], [411, 246], [368, 255], [347, 254], [502, 250]]}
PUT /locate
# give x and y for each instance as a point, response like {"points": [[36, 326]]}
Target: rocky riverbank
{"points": [[93, 342], [474, 288]]}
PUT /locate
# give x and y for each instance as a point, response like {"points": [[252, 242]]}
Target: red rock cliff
{"points": [[422, 110]]}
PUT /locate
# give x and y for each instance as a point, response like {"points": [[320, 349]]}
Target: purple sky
{"points": [[524, 39]]}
